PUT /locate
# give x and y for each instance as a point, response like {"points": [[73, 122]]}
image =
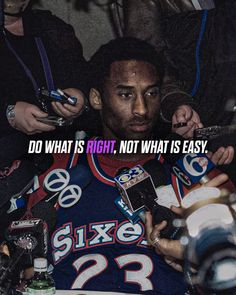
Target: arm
{"points": [[25, 119], [172, 250], [66, 58]]}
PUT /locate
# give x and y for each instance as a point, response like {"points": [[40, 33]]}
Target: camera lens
{"points": [[216, 253]]}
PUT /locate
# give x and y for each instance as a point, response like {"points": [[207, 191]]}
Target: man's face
{"points": [[130, 101], [14, 7]]}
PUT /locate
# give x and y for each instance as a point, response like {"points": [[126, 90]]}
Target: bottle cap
{"points": [[40, 264]]}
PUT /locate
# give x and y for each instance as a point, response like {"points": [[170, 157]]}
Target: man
{"points": [[37, 50], [94, 247], [177, 105], [201, 47]]}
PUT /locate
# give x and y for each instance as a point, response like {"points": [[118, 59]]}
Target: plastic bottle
{"points": [[41, 283]]}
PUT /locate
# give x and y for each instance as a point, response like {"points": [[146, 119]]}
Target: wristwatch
{"points": [[10, 112]]}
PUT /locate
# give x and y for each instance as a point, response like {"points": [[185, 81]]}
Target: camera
{"points": [[26, 240], [210, 239], [45, 99], [30, 235]]}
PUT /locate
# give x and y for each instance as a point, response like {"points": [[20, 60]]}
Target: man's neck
{"points": [[14, 25]]}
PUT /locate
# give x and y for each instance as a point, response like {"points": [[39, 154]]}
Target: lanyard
{"points": [[45, 63]]}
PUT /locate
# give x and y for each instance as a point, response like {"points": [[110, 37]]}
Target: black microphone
{"points": [[5, 284], [212, 132], [159, 212], [133, 217], [157, 172], [138, 191]]}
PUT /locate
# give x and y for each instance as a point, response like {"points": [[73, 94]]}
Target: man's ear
{"points": [[95, 99]]}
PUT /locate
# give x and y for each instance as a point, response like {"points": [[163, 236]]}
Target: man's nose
{"points": [[140, 106]]}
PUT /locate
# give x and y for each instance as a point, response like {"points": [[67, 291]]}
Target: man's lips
{"points": [[140, 126]]}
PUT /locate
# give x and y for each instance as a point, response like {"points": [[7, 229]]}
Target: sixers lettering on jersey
{"points": [[94, 247], [95, 235]]}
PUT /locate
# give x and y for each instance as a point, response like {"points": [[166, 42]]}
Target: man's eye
{"points": [[126, 95], [153, 92]]}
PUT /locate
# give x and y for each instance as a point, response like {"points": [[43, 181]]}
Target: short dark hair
{"points": [[121, 49]]}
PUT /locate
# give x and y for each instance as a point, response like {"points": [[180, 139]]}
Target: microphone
{"points": [[16, 181], [138, 192], [65, 186], [10, 271], [212, 132], [133, 217], [162, 211], [192, 169], [157, 172], [189, 168], [20, 179]]}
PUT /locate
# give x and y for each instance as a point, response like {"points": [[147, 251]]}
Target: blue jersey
{"points": [[95, 248]]}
